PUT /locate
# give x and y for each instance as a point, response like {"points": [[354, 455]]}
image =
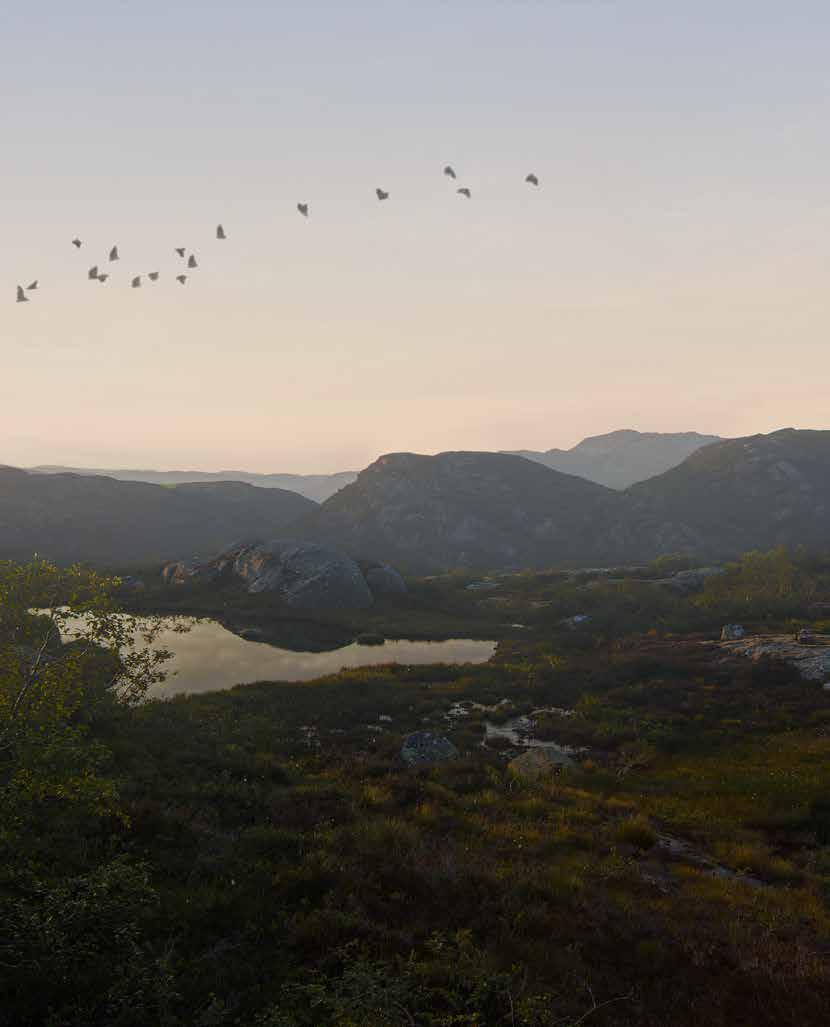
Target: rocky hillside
{"points": [[750, 493], [68, 517], [484, 510], [313, 486], [621, 458]]}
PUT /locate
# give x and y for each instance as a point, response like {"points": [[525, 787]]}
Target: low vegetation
{"points": [[261, 856]]}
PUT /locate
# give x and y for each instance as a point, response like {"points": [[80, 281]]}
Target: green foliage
{"points": [[262, 856]]}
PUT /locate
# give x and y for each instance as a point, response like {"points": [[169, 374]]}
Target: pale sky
{"points": [[671, 272]]}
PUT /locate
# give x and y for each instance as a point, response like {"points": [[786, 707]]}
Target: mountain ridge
{"points": [[623, 457]]}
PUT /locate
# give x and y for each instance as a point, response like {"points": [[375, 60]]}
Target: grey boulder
{"points": [[423, 749]]}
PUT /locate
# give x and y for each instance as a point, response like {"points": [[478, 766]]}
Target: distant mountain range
{"points": [[313, 486], [617, 460], [621, 458], [69, 517], [431, 513], [489, 511]]}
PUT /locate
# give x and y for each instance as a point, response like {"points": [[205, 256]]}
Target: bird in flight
{"points": [[33, 285], [102, 278], [180, 250], [136, 282], [220, 232], [114, 253], [92, 273], [191, 261], [181, 279], [153, 276], [21, 295], [76, 243], [532, 179], [303, 209], [381, 195], [449, 171], [464, 191]]}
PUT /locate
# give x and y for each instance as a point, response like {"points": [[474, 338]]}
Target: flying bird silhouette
{"points": [[191, 261], [449, 171], [220, 232], [381, 195], [136, 282], [180, 250], [464, 191], [76, 243], [114, 253], [153, 276], [32, 286], [102, 278], [532, 179], [303, 209], [181, 279], [92, 273], [21, 295]]}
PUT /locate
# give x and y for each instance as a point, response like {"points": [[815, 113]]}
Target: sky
{"points": [[670, 273]]}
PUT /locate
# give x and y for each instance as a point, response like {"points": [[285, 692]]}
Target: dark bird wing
{"points": [[220, 232], [381, 195], [303, 209], [76, 243], [93, 272], [114, 253], [180, 250], [136, 282], [153, 276], [102, 278], [449, 171], [191, 261], [181, 279], [464, 192], [21, 295], [32, 285], [532, 179]]}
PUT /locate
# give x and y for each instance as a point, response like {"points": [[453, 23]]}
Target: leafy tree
{"points": [[70, 910]]}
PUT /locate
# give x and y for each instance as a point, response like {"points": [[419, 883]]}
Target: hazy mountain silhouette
{"points": [[621, 458], [68, 517], [317, 487]]}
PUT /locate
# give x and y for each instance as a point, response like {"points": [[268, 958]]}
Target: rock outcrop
{"points": [[811, 658], [306, 575]]}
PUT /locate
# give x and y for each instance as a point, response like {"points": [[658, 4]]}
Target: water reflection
{"points": [[209, 657]]}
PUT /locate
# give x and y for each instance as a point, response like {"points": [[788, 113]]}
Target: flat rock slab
{"points": [[812, 659]]}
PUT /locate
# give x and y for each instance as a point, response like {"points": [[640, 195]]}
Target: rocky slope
{"points": [[317, 487], [621, 458], [485, 510], [740, 494], [68, 517]]}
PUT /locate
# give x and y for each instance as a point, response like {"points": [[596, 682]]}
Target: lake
{"points": [[209, 657]]}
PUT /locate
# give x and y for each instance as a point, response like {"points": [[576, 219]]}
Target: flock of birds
{"points": [[96, 275]]}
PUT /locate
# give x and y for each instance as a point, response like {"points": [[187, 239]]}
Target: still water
{"points": [[209, 657]]}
